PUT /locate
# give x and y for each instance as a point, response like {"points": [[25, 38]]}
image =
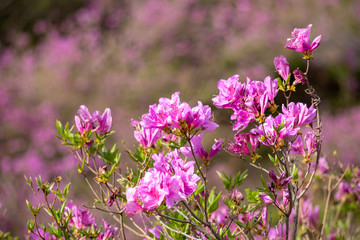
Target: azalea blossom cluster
{"points": [[171, 119], [173, 116], [171, 180], [250, 102], [254, 102]]}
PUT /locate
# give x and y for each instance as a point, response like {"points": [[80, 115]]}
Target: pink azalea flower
{"points": [[299, 77], [242, 119], [95, 122], [302, 114], [133, 205], [176, 189], [104, 121], [271, 88], [279, 182], [274, 130], [297, 146], [266, 199], [300, 41], [80, 218], [200, 117], [242, 143], [264, 216], [282, 66], [86, 120], [230, 91], [310, 147], [310, 142], [147, 196], [147, 137], [216, 148], [152, 190], [323, 166]]}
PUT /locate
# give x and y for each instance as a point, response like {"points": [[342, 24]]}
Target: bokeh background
{"points": [[126, 54]]}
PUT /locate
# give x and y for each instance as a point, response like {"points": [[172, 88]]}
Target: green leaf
{"points": [[38, 181], [214, 204], [63, 207], [235, 233], [66, 190], [48, 212], [211, 196], [29, 181], [252, 196], [281, 85], [59, 127], [294, 173], [264, 183], [30, 225], [254, 222], [227, 180], [240, 224], [288, 79], [54, 231], [348, 174], [240, 178], [199, 189], [110, 156], [274, 160], [30, 207]]}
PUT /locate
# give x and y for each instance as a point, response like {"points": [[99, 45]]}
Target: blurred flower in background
{"points": [[126, 54]]}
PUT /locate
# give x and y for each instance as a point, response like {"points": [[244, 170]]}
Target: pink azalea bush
{"points": [[169, 187], [81, 56]]}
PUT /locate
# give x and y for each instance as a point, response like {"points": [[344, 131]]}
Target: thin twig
{"points": [[101, 209]]}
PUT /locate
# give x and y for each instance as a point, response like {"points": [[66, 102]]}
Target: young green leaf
{"points": [[214, 203], [294, 173], [281, 85]]}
